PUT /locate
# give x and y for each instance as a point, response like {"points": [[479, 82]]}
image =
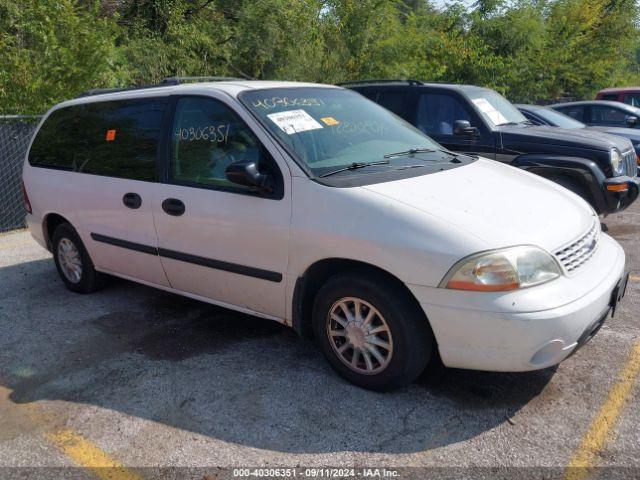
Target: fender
{"points": [[585, 171]]}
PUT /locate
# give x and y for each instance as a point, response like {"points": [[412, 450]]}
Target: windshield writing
{"points": [[328, 128]]}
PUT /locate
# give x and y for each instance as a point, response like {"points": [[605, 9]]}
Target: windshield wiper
{"points": [[430, 150], [456, 155], [411, 151], [354, 166]]}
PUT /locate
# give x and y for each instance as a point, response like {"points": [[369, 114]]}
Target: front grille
{"points": [[576, 254], [632, 162]]}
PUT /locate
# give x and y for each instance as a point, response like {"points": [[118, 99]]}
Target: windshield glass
{"points": [[559, 119], [329, 128], [495, 109]]}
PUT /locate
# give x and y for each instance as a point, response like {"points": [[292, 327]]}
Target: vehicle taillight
{"points": [[27, 203]]}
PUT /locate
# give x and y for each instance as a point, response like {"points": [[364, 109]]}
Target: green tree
{"points": [[528, 49], [51, 50], [162, 38], [590, 44]]}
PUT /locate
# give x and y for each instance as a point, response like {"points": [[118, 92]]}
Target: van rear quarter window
{"points": [[115, 139]]}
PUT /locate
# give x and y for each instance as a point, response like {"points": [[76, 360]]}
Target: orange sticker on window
{"points": [[111, 135], [330, 121]]}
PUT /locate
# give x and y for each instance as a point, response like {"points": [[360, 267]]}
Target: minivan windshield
{"points": [[331, 129], [495, 109]]}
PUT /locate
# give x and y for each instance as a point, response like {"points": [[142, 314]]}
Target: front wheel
{"points": [[371, 331]]}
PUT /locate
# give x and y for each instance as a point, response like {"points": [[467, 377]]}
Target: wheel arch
{"points": [[309, 283], [49, 225]]}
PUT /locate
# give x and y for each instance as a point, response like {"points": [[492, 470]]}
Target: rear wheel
{"points": [[371, 332], [73, 262]]}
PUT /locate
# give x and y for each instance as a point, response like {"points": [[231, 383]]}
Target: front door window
{"points": [[207, 137]]}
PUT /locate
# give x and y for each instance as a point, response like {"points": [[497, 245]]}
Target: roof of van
{"points": [[231, 87]]}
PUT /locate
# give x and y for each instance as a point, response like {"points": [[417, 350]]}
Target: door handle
{"points": [[132, 200], [173, 206]]}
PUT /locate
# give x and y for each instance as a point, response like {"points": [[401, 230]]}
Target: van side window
{"points": [[114, 139], [207, 137], [438, 112], [124, 138]]}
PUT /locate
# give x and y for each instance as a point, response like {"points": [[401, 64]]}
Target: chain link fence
{"points": [[15, 133]]}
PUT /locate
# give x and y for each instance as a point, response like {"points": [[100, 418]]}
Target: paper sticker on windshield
{"points": [[483, 104], [487, 108], [294, 121], [496, 117], [330, 121]]}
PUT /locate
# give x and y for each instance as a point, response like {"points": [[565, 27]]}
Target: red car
{"points": [[630, 95]]}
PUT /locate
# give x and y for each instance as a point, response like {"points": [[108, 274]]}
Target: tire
{"points": [[394, 321], [68, 253]]}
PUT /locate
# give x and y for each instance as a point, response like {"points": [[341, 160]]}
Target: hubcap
{"points": [[70, 261], [359, 335]]}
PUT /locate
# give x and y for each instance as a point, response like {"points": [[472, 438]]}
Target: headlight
{"points": [[500, 270], [617, 162]]}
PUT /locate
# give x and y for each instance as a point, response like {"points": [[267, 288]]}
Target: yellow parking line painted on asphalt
{"points": [[634, 278], [601, 426], [70, 443], [90, 456]]}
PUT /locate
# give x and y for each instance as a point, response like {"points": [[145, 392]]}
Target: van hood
{"points": [[562, 137], [501, 205]]}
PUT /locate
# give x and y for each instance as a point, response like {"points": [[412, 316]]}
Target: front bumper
{"points": [[525, 329]]}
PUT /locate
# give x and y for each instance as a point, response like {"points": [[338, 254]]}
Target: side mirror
{"points": [[247, 175], [463, 127], [631, 120]]}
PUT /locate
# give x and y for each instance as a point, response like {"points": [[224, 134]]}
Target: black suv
{"points": [[601, 168]]}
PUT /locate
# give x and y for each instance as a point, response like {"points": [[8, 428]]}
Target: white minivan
{"points": [[312, 206]]}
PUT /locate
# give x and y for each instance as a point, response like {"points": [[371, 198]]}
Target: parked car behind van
{"points": [[628, 95], [479, 121], [601, 112], [314, 207], [540, 115]]}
